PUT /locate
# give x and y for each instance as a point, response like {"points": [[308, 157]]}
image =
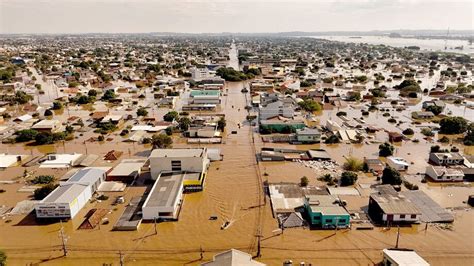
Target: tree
{"points": [[221, 124], [385, 149], [3, 258], [408, 131], [332, 139], [469, 138], [108, 95], [26, 135], [142, 112], [453, 125], [161, 141], [391, 176], [57, 106], [22, 97], [171, 116], [92, 92], [348, 179], [305, 84], [44, 138], [436, 110], [310, 105], [304, 181], [43, 192], [48, 112], [184, 123]]}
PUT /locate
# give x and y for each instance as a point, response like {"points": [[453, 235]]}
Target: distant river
{"points": [[424, 44]]}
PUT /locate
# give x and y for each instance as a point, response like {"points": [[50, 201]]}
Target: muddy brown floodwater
{"points": [[233, 192]]}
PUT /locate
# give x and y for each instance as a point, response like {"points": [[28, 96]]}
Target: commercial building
{"points": [[325, 211], [71, 196], [388, 206], [178, 160], [205, 97], [443, 174], [165, 198]]}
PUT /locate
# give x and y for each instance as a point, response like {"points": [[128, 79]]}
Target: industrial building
{"points": [[164, 200], [71, 196]]}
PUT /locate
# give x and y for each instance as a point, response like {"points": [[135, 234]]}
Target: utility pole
{"points": [[398, 236], [64, 240], [154, 221], [259, 236], [121, 258]]}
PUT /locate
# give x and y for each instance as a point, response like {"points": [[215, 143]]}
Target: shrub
{"points": [[43, 179], [444, 139], [353, 164], [304, 181], [427, 132]]}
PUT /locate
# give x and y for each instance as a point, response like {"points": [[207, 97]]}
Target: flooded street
{"points": [[233, 193]]}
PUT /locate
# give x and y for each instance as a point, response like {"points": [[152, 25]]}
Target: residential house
{"points": [[387, 206], [397, 163], [326, 211], [308, 135], [446, 158], [50, 126], [443, 174]]}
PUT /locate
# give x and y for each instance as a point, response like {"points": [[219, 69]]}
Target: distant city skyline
{"points": [[216, 16]]}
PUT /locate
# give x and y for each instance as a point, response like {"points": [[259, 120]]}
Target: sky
{"points": [[214, 16]]}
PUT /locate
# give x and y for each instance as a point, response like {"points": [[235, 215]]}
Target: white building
{"points": [[7, 160], [178, 160], [199, 74], [397, 163], [60, 160], [164, 200], [443, 174], [71, 196], [394, 257], [233, 257]]}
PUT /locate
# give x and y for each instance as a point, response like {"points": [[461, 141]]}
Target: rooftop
{"points": [[405, 257], [165, 191], [128, 167], [325, 204], [65, 193], [177, 153], [392, 202]]}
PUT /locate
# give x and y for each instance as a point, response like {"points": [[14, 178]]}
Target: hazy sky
{"points": [[81, 16]]}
